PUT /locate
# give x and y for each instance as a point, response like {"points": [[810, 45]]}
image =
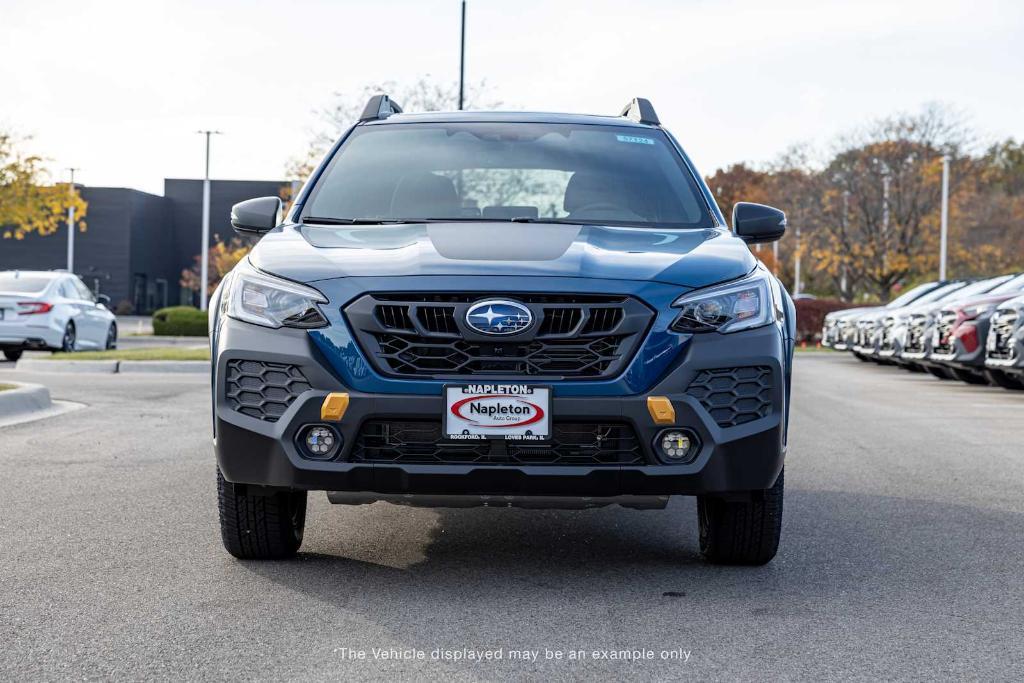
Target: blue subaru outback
{"points": [[503, 309]]}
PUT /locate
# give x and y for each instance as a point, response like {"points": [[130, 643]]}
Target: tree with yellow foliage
{"points": [[27, 203]]}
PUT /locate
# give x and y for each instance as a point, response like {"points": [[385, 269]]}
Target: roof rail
{"points": [[641, 111], [379, 107]]}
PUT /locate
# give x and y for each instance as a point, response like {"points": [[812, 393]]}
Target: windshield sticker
{"points": [[633, 139]]}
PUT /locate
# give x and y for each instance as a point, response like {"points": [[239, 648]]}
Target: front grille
{"points": [[425, 335], [916, 329], [886, 337], [942, 340], [734, 396], [263, 390], [1003, 325], [422, 441]]}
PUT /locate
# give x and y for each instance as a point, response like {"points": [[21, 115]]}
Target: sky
{"points": [[119, 89]]}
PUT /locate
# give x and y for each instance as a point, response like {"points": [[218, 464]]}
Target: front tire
{"points": [[13, 354], [968, 376], [260, 527], [941, 373], [745, 532], [999, 378], [111, 337]]}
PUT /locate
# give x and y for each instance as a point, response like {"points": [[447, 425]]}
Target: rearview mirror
{"points": [[256, 216], [756, 223], [103, 300]]}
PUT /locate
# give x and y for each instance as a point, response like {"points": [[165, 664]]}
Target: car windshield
{"points": [[1011, 286], [509, 172], [912, 295], [981, 287], [23, 284], [941, 293]]}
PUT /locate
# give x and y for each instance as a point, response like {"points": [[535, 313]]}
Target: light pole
{"points": [[462, 56], [71, 222], [204, 258], [944, 230], [796, 263]]}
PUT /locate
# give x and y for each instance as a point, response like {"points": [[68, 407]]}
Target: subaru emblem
{"points": [[498, 316]]}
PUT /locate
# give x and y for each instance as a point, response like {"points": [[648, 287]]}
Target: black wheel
{"points": [[260, 527], [744, 532], [941, 373], [1001, 379], [968, 376], [111, 337], [13, 354], [67, 344]]}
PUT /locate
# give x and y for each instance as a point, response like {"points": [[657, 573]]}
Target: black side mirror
{"points": [[256, 216], [103, 300], [756, 223]]}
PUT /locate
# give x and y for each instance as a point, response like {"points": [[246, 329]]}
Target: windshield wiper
{"points": [[324, 220], [514, 219]]}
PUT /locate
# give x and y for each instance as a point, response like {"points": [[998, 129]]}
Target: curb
{"points": [[36, 365], [26, 399], [172, 366], [110, 367]]}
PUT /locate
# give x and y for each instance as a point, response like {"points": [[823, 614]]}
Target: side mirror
{"points": [[103, 300], [756, 223], [256, 216]]}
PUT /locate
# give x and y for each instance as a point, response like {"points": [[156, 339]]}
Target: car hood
{"points": [[690, 258]]}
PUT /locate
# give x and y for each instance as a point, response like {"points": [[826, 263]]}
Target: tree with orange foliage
{"points": [[223, 256]]}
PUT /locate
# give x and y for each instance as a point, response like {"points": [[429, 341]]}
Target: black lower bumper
{"points": [[730, 459]]}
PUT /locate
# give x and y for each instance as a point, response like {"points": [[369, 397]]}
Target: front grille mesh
{"points": [[263, 390], [572, 443], [417, 356], [734, 396]]}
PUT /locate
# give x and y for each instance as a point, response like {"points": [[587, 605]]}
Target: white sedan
{"points": [[52, 310]]}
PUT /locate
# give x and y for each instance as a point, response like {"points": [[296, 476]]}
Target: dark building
{"points": [[137, 244]]}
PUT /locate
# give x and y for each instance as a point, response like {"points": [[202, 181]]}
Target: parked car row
{"points": [[970, 330], [52, 310]]}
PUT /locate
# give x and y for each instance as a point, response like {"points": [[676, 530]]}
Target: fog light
{"points": [[319, 442], [676, 446]]}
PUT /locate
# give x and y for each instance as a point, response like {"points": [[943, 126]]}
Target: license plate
{"points": [[514, 412]]}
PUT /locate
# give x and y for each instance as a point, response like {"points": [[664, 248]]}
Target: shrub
{"points": [[810, 316], [180, 321], [124, 307]]}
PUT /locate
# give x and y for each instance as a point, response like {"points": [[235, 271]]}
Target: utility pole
{"points": [[843, 282], [204, 258], [885, 221], [462, 57], [71, 222], [796, 264], [945, 217]]}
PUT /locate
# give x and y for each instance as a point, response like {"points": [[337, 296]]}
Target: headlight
{"points": [[726, 308], [262, 299]]}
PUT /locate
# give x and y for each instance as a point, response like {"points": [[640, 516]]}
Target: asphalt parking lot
{"points": [[902, 555]]}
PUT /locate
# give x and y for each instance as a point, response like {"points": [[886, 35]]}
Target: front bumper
{"points": [[739, 458]]}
